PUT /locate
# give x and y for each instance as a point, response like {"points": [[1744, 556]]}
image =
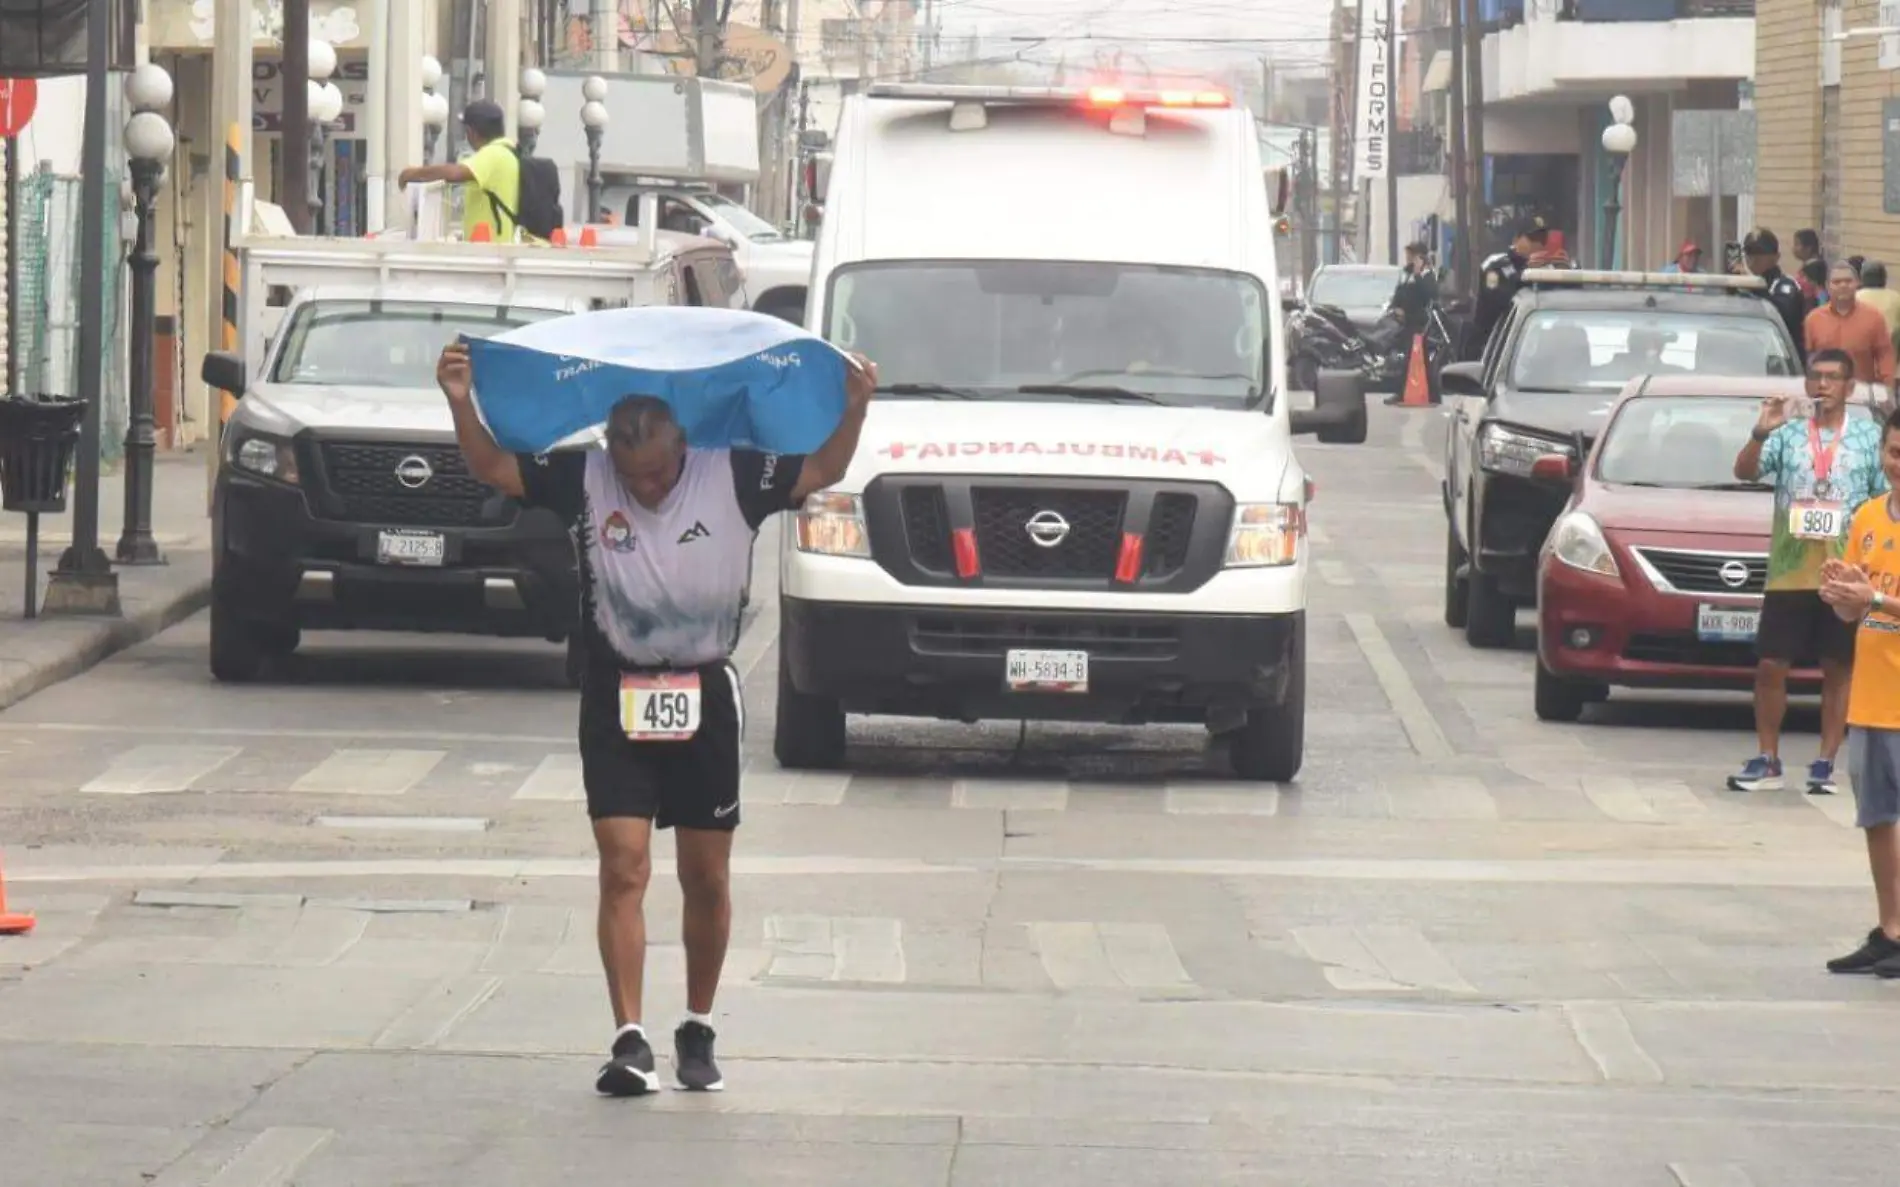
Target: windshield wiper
{"points": [[1732, 485], [936, 390], [1086, 391]]}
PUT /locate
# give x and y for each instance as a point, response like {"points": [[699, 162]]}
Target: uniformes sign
{"points": [[1372, 118]]}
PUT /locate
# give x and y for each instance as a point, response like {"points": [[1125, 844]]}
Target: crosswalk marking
{"points": [[158, 769], [1222, 799], [798, 788], [558, 778], [369, 772], [1659, 801], [1108, 956], [1379, 959], [1009, 795], [835, 948], [1710, 1174], [1441, 797], [1838, 807]]}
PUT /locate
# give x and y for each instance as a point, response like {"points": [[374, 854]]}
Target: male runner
{"points": [[663, 533]]}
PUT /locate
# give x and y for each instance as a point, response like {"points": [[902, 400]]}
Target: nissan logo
{"points": [[414, 471], [1734, 574], [1047, 529]]}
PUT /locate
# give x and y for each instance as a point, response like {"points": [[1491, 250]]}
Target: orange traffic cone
{"points": [[483, 234], [11, 924], [589, 238], [1417, 390], [559, 237]]}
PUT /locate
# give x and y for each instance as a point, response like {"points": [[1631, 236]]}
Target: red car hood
{"points": [[1694, 512]]}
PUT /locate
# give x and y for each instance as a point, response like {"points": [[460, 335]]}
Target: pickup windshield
{"points": [[1188, 337], [383, 343], [1358, 288], [744, 221], [1596, 350]]}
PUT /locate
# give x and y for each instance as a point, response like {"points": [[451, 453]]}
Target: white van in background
{"points": [[1076, 497]]}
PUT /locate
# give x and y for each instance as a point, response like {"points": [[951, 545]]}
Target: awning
{"points": [[1438, 74]]}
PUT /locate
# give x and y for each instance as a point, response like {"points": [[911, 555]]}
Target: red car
{"points": [[1652, 575]]}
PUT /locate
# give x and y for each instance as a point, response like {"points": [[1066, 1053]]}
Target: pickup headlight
{"points": [[263, 455], [1506, 451], [832, 524], [1577, 541], [1265, 535]]}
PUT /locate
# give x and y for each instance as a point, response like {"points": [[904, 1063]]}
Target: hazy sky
{"points": [[1169, 34]]}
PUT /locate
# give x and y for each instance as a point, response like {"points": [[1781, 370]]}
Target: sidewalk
{"points": [[35, 654]]}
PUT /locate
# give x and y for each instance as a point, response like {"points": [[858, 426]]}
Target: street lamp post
{"points": [[594, 119], [148, 143], [435, 108], [1619, 140], [325, 105], [529, 113]]}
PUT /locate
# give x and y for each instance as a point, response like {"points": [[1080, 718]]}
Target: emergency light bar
{"points": [[1664, 280], [1088, 96]]}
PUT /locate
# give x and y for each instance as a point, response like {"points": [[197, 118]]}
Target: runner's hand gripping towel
{"points": [[732, 377]]}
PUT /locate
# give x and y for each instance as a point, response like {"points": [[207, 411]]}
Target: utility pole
{"points": [[930, 34], [1345, 97], [1460, 175], [1391, 131], [293, 137], [709, 38], [1474, 142]]}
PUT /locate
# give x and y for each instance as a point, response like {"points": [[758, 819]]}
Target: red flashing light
{"points": [[963, 542], [1107, 96], [1118, 97], [1128, 561], [1212, 99]]}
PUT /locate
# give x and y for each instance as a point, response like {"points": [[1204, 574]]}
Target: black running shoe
{"points": [[693, 1064], [629, 1071], [1878, 950]]}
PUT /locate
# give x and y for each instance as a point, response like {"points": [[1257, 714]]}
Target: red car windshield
{"points": [[1686, 442]]}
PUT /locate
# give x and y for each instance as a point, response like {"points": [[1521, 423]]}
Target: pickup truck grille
{"points": [[912, 520], [361, 485]]}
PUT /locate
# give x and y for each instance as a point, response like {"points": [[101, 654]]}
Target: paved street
{"points": [[338, 929]]}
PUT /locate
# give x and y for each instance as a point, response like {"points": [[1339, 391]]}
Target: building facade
{"points": [[1827, 98]]}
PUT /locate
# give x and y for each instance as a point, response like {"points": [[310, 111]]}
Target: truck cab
{"points": [[341, 500], [776, 267], [1076, 496]]}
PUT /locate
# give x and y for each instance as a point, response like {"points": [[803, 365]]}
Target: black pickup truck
{"points": [[1567, 347]]}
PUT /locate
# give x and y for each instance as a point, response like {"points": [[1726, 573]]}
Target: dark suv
{"points": [[1551, 371]]}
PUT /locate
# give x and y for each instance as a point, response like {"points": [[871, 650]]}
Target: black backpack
{"points": [[540, 214]]}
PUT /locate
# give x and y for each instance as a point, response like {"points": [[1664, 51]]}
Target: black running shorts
{"points": [[1798, 628], [687, 784]]}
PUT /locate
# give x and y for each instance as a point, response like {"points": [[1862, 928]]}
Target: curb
{"points": [[106, 638]]}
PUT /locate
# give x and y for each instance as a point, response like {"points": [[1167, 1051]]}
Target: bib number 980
{"points": [[1815, 521]]}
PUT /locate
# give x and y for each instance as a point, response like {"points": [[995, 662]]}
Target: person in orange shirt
{"points": [[1863, 587], [1850, 324]]}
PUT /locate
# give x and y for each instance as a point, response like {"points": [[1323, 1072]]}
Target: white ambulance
{"points": [[1076, 497]]}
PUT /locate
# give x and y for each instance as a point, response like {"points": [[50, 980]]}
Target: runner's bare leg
{"points": [[705, 869], [626, 865]]}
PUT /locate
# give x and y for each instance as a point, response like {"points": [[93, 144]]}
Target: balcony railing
{"points": [[1505, 14], [1418, 151]]}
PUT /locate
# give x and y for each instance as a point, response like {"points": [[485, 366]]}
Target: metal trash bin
{"points": [[38, 441]]}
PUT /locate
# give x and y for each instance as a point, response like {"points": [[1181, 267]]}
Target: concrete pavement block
{"points": [[212, 1005]]}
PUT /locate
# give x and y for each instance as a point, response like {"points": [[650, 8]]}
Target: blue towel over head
{"points": [[732, 377]]}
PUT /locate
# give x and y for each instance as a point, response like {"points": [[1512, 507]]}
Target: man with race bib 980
{"points": [[663, 533], [1823, 465]]}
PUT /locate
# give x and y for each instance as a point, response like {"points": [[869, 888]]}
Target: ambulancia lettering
{"points": [[933, 450]]}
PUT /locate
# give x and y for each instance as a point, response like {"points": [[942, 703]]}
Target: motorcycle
{"points": [[1328, 339]]}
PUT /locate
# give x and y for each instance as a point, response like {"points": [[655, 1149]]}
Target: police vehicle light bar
{"points": [[1099, 96], [1665, 280]]}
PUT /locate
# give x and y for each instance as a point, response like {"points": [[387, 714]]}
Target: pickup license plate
{"points": [[411, 548], [1048, 671], [1726, 624]]}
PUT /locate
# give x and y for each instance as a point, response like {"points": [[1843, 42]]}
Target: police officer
{"points": [[1761, 254], [1412, 300], [1501, 275]]}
